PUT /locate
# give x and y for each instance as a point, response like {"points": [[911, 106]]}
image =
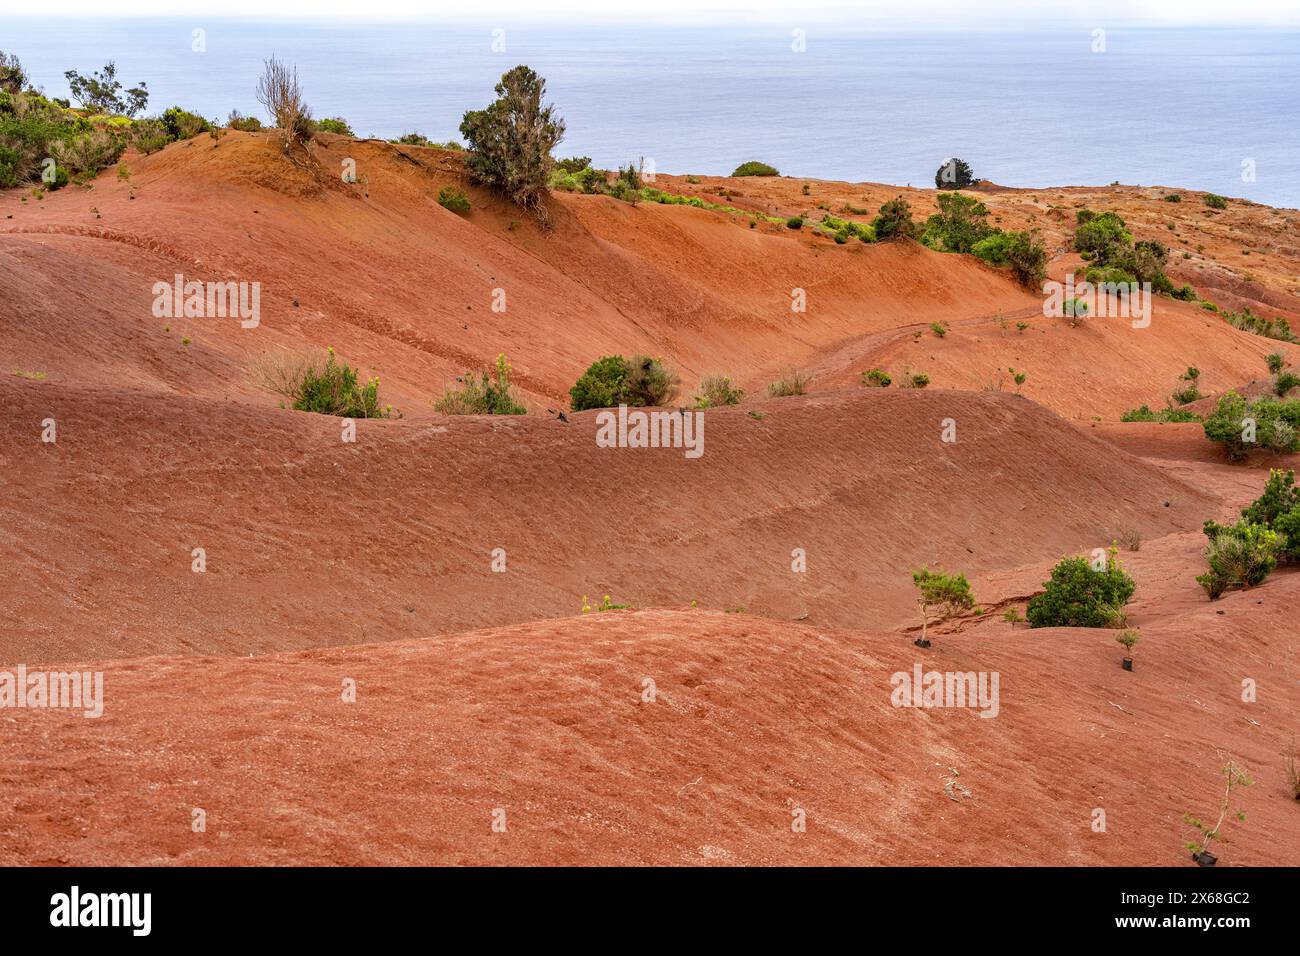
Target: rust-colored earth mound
{"points": [[480, 690]]}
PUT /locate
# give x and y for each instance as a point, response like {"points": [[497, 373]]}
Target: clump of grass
{"points": [[490, 394], [604, 605], [1131, 538], [876, 378], [453, 199], [793, 382], [32, 376]]}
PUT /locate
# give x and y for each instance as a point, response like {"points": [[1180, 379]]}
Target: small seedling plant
{"points": [[1234, 777]]}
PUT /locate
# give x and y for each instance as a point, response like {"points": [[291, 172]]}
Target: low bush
{"points": [[1027, 258], [614, 380], [842, 230], [1242, 555], [334, 390], [994, 248], [1264, 423], [182, 124], [1078, 595], [1215, 201], [1270, 328], [245, 124], [794, 222], [489, 394], [1189, 392], [876, 378], [755, 168], [335, 124], [1145, 414], [895, 220]]}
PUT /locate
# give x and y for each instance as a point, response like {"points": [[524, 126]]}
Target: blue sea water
{"points": [[1025, 107]]}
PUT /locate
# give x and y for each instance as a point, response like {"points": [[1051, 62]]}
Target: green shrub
{"points": [[1145, 414], [88, 152], [995, 248], [842, 230], [938, 329], [490, 394], [1101, 234], [181, 124], [31, 127], [1215, 201], [1239, 556], [574, 164], [894, 221], [793, 382], [1284, 382], [599, 386], [1270, 328], [1276, 425], [1077, 595], [245, 124], [511, 141], [614, 380], [412, 139], [453, 199], [1173, 197], [12, 76], [876, 378], [1027, 258], [1278, 509], [794, 222], [960, 223], [1280, 496], [755, 168], [914, 380], [335, 124], [1190, 392], [333, 390], [149, 136], [717, 390]]}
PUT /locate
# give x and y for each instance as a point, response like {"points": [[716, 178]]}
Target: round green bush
{"points": [[1079, 596], [755, 168], [600, 385]]}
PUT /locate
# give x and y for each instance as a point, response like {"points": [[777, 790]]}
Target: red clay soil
{"points": [[393, 536], [479, 691]]}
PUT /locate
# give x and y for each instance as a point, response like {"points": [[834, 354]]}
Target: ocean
{"points": [[1208, 108]]}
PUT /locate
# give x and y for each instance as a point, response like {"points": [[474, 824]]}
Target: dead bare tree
{"points": [[279, 91]]}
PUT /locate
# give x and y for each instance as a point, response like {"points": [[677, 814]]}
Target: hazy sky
{"points": [[669, 12]]}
